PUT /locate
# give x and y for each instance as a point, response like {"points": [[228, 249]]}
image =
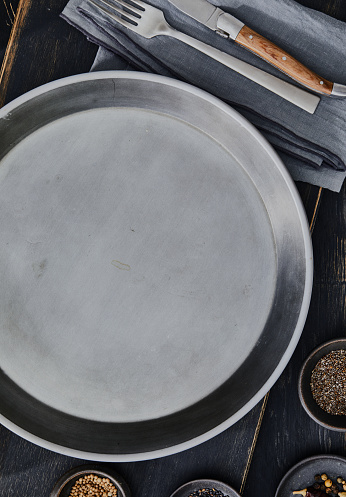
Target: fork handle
{"points": [[293, 94]]}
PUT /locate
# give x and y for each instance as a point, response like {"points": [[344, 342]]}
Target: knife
{"points": [[229, 26]]}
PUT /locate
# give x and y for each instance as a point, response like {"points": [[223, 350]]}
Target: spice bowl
{"points": [[90, 474], [205, 488], [322, 385]]}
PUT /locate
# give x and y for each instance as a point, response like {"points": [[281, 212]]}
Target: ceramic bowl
{"points": [[302, 474], [195, 485], [322, 417], [64, 485]]}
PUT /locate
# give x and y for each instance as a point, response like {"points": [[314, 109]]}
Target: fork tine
{"points": [[117, 18], [132, 5], [128, 14], [128, 6], [114, 5], [141, 5]]}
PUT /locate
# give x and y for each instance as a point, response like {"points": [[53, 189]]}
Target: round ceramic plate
{"points": [[213, 487], [155, 261], [302, 474]]}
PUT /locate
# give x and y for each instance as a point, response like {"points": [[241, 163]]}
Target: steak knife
{"points": [[229, 26]]}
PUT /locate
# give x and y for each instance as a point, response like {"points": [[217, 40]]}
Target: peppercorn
{"points": [[328, 483], [324, 477]]}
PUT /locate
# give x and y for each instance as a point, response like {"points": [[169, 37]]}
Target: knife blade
{"points": [[229, 26]]}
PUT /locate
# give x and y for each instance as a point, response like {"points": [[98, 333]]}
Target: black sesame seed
{"points": [[207, 492]]}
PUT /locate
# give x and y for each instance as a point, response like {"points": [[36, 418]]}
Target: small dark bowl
{"points": [[193, 486], [330, 421], [64, 485]]}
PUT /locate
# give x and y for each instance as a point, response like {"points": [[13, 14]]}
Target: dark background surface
{"points": [[7, 14], [42, 48]]}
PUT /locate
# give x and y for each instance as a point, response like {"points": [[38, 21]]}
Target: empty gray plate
{"points": [[156, 266]]}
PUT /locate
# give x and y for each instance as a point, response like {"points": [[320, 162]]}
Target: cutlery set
{"points": [[149, 22]]}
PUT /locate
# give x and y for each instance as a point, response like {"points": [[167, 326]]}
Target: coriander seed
{"points": [[91, 485]]}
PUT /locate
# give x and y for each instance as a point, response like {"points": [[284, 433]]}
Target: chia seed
{"points": [[328, 382]]}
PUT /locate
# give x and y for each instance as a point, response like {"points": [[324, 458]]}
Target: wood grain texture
{"points": [[42, 48], [8, 9], [26, 469], [282, 60], [12, 47], [252, 455]]}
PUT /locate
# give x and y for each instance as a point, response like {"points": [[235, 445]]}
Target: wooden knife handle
{"points": [[282, 60]]}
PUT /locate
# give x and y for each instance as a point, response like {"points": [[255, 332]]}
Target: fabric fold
{"points": [[312, 146]]}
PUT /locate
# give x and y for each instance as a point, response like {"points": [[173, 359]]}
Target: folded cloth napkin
{"points": [[313, 147]]}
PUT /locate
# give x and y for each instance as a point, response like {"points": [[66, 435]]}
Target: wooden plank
{"points": [[26, 469], [12, 48], [7, 14], [40, 35]]}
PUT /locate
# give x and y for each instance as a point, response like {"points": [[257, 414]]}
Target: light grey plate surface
{"points": [[155, 262]]}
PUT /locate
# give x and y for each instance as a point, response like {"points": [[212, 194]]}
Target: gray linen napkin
{"points": [[312, 147]]}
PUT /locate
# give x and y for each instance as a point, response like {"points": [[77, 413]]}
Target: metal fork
{"points": [[148, 21]]}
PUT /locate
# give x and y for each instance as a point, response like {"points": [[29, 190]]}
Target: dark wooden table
{"points": [[254, 454]]}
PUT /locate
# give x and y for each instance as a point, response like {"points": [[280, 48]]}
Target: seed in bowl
{"points": [[328, 383], [93, 486]]}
